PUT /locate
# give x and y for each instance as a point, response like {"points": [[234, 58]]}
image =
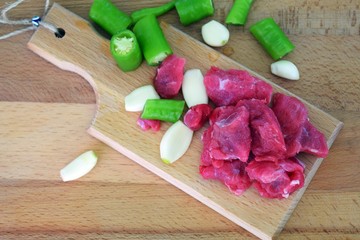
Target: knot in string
{"points": [[33, 23], [36, 21]]}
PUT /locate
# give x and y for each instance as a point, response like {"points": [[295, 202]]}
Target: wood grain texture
{"points": [[88, 55], [328, 59], [119, 199]]}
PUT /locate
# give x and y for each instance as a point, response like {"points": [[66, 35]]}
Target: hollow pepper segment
{"points": [[109, 17], [168, 110], [125, 49], [157, 11], [239, 12], [272, 38], [151, 39], [191, 11]]}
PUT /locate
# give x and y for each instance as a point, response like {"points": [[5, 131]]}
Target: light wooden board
{"points": [[86, 53], [119, 199]]}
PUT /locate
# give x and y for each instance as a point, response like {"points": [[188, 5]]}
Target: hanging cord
{"points": [[34, 22]]}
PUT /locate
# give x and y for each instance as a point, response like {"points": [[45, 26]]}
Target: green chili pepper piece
{"points": [[272, 38], [191, 11], [239, 12], [109, 17], [152, 41], [126, 51], [157, 11], [168, 110]]}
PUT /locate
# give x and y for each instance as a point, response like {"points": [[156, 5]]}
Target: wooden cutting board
{"points": [[83, 51]]}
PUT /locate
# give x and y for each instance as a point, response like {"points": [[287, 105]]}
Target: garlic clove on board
{"points": [[135, 101], [285, 69], [193, 88], [175, 142], [215, 34]]}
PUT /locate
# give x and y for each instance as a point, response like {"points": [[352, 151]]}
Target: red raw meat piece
{"points": [[276, 180], [169, 76], [299, 134], [230, 135], [146, 124], [313, 141], [267, 139], [231, 173], [196, 116], [290, 112], [226, 88], [205, 158], [220, 111]]}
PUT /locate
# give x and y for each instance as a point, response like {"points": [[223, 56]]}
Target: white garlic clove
{"points": [[135, 101], [175, 142], [193, 88], [215, 34], [79, 167], [285, 69]]}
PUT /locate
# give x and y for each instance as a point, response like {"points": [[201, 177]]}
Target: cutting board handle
{"points": [[83, 51]]}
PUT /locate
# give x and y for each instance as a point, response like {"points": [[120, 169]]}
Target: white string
{"points": [[5, 20], [17, 32]]}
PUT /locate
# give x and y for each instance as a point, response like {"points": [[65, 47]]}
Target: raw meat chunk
{"points": [[290, 112], [196, 116], [220, 111], [267, 139], [308, 139], [169, 76], [276, 180], [299, 134], [230, 135], [226, 88], [313, 141], [231, 173], [146, 124], [205, 158]]}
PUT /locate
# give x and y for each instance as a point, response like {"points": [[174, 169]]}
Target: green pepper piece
{"points": [[191, 11], [157, 11], [168, 110], [272, 38], [126, 51], [152, 41], [239, 12], [109, 17]]}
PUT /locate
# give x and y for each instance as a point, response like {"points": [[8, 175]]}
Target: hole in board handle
{"points": [[60, 33]]}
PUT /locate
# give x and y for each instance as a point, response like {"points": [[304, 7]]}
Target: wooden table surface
{"points": [[122, 200]]}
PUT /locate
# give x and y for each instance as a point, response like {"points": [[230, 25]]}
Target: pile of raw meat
{"points": [[254, 135]]}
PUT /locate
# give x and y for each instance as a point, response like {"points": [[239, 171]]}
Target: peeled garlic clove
{"points": [[135, 101], [79, 166], [193, 88], [215, 34], [285, 69], [175, 142]]}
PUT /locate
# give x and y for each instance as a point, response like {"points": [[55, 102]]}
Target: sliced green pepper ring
{"points": [[157, 11], [191, 11], [239, 12], [152, 40], [272, 38], [168, 110], [126, 51], [109, 17]]}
